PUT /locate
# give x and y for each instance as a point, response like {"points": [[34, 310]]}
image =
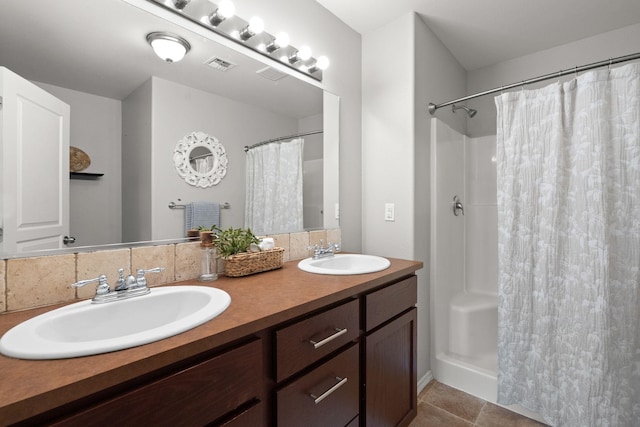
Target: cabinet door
{"points": [[390, 382]]}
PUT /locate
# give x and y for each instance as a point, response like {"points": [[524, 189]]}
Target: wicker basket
{"points": [[246, 263]]}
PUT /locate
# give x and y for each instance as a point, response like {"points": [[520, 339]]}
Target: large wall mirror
{"points": [[129, 109]]}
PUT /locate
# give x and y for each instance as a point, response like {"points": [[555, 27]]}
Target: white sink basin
{"points": [[344, 264], [83, 328]]}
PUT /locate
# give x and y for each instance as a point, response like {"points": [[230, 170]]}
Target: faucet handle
{"points": [[121, 283], [101, 289], [141, 280]]}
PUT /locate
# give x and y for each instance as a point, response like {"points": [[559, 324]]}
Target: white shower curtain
{"points": [[569, 249], [273, 201]]}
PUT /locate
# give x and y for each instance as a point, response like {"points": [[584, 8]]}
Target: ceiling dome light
{"points": [[226, 9], [168, 47]]}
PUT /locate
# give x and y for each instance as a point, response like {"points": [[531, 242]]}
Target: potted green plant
{"points": [[233, 241]]}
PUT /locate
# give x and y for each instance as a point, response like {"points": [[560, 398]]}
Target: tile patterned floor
{"points": [[442, 406]]}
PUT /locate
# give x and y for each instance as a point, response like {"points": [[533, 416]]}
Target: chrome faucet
{"points": [[320, 251], [126, 287]]}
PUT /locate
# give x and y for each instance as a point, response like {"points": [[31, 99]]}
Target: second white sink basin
{"points": [[83, 328], [345, 264]]}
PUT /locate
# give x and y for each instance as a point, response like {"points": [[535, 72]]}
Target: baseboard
{"points": [[426, 379]]}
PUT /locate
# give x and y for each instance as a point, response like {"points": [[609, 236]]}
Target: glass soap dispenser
{"points": [[209, 262]]}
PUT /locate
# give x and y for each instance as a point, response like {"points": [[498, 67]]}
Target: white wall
{"points": [[396, 155], [136, 164], [619, 42], [388, 139], [95, 206]]}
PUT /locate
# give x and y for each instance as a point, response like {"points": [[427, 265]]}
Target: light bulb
{"points": [[226, 9], [256, 25], [322, 63], [304, 53], [282, 40], [262, 47], [235, 34], [168, 50]]}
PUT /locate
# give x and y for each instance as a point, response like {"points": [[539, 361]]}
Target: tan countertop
{"points": [[258, 302]]}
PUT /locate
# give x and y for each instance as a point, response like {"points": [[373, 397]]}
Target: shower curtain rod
{"points": [[282, 138], [608, 62]]}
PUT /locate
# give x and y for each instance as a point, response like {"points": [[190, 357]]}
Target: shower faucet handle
{"points": [[457, 206]]}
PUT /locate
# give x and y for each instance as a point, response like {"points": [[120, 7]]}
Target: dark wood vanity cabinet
{"points": [[374, 364], [224, 390], [352, 363]]}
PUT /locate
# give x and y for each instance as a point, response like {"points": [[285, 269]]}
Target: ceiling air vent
{"points": [[271, 74], [219, 64]]}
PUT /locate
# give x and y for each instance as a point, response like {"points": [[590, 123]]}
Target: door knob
{"points": [[67, 240]]}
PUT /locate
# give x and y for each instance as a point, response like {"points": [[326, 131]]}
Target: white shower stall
{"points": [[464, 261]]}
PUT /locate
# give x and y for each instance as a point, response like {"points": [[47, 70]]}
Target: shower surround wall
{"points": [[464, 261]]}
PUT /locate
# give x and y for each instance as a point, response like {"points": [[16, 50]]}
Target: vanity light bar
{"points": [[222, 20]]}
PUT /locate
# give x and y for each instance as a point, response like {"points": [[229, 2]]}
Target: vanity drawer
{"points": [[327, 396], [197, 395], [388, 302], [299, 345]]}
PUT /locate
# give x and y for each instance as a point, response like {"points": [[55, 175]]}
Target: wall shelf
{"points": [[85, 175]]}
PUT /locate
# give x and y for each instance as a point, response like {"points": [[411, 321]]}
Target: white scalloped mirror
{"points": [[200, 159]]}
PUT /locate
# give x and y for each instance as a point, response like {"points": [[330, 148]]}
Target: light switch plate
{"points": [[389, 212]]}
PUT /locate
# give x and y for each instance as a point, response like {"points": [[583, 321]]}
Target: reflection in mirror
{"points": [[201, 160], [128, 108]]}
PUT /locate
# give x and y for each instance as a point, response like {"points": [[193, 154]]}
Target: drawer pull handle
{"points": [[339, 332], [318, 399]]}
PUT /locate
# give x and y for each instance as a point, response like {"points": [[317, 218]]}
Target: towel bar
{"points": [[173, 205]]}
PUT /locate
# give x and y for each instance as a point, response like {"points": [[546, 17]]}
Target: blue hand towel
{"points": [[201, 213]]}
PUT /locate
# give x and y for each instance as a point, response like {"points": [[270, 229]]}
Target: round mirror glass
{"points": [[200, 159]]}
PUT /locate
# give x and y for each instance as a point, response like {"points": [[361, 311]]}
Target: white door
{"points": [[34, 181]]}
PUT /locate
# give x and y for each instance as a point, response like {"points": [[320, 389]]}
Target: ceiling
{"points": [[480, 33]]}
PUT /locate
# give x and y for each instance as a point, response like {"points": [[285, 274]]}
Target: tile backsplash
{"points": [[40, 281]]}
